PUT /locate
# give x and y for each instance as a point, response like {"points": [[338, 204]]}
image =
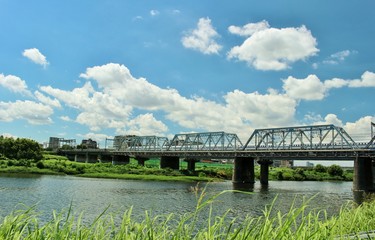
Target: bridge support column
{"points": [[243, 171], [363, 175], [91, 158], [71, 157], [106, 158], [191, 163], [264, 170], [141, 160], [120, 160], [170, 162], [80, 158]]}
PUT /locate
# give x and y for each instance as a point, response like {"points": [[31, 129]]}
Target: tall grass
{"points": [[297, 223]]}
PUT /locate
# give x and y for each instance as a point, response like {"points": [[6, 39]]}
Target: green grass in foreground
{"points": [[297, 223]]}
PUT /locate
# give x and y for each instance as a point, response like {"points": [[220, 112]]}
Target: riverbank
{"points": [[297, 223], [205, 172]]}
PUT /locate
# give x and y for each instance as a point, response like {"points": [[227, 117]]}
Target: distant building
{"points": [[282, 163], [56, 143], [309, 164], [89, 143], [121, 142]]}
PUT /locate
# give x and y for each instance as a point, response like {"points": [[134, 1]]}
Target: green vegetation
{"points": [[19, 148], [55, 164], [297, 223], [26, 156]]}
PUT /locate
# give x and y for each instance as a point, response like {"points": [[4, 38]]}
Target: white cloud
{"points": [[202, 38], [154, 12], [46, 100], [367, 80], [272, 48], [359, 131], [36, 56], [146, 124], [14, 84], [249, 29], [99, 137], [32, 112], [338, 57], [310, 88], [66, 118], [119, 93]]}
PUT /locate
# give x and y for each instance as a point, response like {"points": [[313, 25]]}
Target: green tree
{"points": [[320, 168], [335, 170]]}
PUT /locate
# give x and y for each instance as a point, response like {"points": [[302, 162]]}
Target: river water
{"points": [[92, 196]]}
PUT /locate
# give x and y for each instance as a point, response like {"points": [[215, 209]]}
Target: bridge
{"points": [[318, 142]]}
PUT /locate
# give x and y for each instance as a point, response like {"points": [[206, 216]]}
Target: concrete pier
{"points": [[264, 170], [120, 160], [191, 163], [106, 158], [170, 162], [243, 171], [141, 160], [80, 157], [363, 175]]}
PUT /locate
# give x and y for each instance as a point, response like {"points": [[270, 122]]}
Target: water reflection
{"points": [[245, 187], [92, 196]]}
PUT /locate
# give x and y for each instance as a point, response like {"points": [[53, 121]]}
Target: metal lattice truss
{"points": [[300, 138], [140, 143], [209, 141]]}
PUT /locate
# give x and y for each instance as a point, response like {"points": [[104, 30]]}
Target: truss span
{"points": [[319, 137]]}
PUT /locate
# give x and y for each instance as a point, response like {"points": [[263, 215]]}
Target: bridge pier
{"points": [[363, 180], [80, 157], [91, 158], [243, 171], [191, 163], [120, 160], [106, 158], [264, 170], [141, 160], [170, 162]]}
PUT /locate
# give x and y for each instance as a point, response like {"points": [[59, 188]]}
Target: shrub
{"points": [[335, 170], [320, 168], [40, 165]]}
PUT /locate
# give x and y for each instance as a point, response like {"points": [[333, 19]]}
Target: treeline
{"points": [[20, 148]]}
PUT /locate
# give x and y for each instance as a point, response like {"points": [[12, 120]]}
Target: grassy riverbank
{"points": [[54, 164], [297, 223]]}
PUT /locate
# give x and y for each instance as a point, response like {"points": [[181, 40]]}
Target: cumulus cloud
{"points": [[269, 48], [310, 88], [46, 100], [119, 93], [14, 84], [35, 56], [32, 112], [358, 130], [202, 38]]}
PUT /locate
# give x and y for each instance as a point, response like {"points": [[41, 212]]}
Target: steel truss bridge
{"points": [[319, 142]]}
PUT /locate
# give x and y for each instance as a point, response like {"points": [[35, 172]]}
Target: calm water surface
{"points": [[93, 196]]}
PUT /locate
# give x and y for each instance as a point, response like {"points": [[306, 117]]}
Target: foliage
{"points": [[20, 148], [335, 170], [297, 223], [320, 168]]}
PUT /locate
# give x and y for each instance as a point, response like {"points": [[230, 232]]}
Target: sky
{"points": [[100, 68]]}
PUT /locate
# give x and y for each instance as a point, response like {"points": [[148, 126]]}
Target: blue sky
{"points": [[96, 69]]}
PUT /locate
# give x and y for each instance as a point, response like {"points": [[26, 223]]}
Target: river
{"points": [[92, 196]]}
